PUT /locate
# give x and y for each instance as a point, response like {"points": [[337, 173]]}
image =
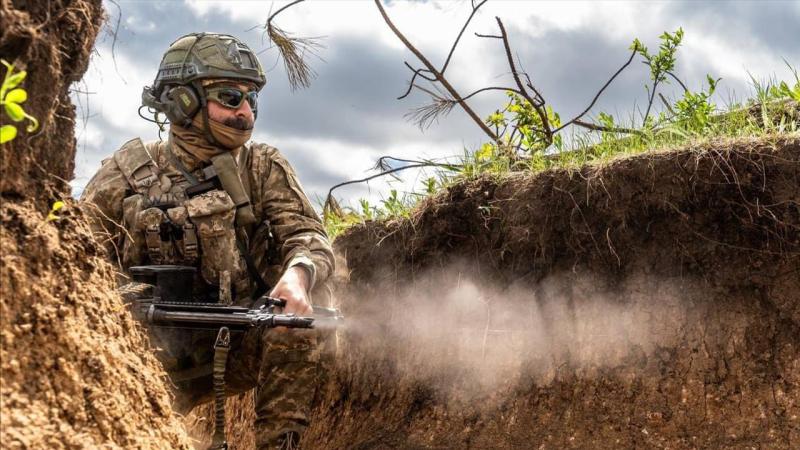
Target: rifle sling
{"points": [[261, 285], [179, 165], [221, 348]]}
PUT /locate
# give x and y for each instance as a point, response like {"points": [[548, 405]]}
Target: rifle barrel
{"points": [[213, 320]]}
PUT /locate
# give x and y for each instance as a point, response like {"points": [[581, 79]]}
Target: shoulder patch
{"points": [[138, 167]]}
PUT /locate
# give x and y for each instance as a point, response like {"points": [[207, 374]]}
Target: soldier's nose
{"points": [[244, 111]]}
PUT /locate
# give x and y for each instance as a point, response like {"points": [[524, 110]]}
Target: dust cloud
{"points": [[455, 333]]}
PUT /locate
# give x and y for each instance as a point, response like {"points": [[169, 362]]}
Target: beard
{"points": [[239, 123]]}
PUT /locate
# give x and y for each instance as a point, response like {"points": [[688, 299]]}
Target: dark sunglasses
{"points": [[232, 97]]}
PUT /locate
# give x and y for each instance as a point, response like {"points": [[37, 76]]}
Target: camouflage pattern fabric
{"points": [[283, 367], [213, 214]]}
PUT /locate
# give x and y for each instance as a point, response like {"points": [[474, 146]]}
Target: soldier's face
{"points": [[241, 118]]}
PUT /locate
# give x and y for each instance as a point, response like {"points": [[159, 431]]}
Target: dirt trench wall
{"points": [[74, 370], [653, 302], [52, 42]]}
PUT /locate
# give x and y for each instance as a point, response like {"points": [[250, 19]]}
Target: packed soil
{"points": [[651, 302], [52, 42], [75, 372]]}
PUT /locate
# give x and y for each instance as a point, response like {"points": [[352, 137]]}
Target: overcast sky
{"points": [[335, 130]]}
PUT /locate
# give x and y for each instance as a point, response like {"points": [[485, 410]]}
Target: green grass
{"points": [[689, 119]]}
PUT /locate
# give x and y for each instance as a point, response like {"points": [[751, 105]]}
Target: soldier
{"points": [[258, 229]]}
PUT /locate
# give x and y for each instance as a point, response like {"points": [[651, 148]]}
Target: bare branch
{"points": [[272, 16], [383, 165], [529, 84], [384, 173], [114, 42], [685, 89], [493, 88], [600, 92], [595, 127], [455, 95], [413, 78], [488, 36], [419, 71], [666, 103], [537, 106], [453, 49], [650, 101]]}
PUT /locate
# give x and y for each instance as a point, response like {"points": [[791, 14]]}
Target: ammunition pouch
{"points": [[213, 214]]}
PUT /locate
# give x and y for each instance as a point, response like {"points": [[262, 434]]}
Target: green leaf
{"points": [[7, 133], [15, 112], [15, 79], [17, 96]]}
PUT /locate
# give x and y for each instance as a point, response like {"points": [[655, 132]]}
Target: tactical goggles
{"points": [[232, 97]]}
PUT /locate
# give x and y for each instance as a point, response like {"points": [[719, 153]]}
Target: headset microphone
{"points": [[149, 100]]}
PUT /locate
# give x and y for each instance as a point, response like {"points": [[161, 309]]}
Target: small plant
{"points": [[11, 99], [52, 215], [777, 91], [394, 206], [695, 110], [524, 130]]}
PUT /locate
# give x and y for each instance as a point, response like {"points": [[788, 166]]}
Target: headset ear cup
{"points": [[181, 104], [187, 100]]}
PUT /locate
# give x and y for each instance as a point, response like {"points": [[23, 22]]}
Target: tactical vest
{"points": [[209, 231]]}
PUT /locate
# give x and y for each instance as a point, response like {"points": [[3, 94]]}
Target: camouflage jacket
{"points": [[274, 191]]}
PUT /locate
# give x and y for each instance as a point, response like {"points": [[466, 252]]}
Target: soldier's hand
{"points": [[292, 289]]}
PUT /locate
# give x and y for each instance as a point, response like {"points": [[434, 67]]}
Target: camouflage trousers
{"points": [[285, 369]]}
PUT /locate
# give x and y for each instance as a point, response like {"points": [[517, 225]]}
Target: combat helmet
{"points": [[178, 91]]}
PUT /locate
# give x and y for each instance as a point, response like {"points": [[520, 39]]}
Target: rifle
{"points": [[160, 296]]}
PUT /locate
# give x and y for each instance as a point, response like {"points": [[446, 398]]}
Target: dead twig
{"points": [[600, 92], [464, 28], [438, 75], [114, 42], [538, 106]]}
